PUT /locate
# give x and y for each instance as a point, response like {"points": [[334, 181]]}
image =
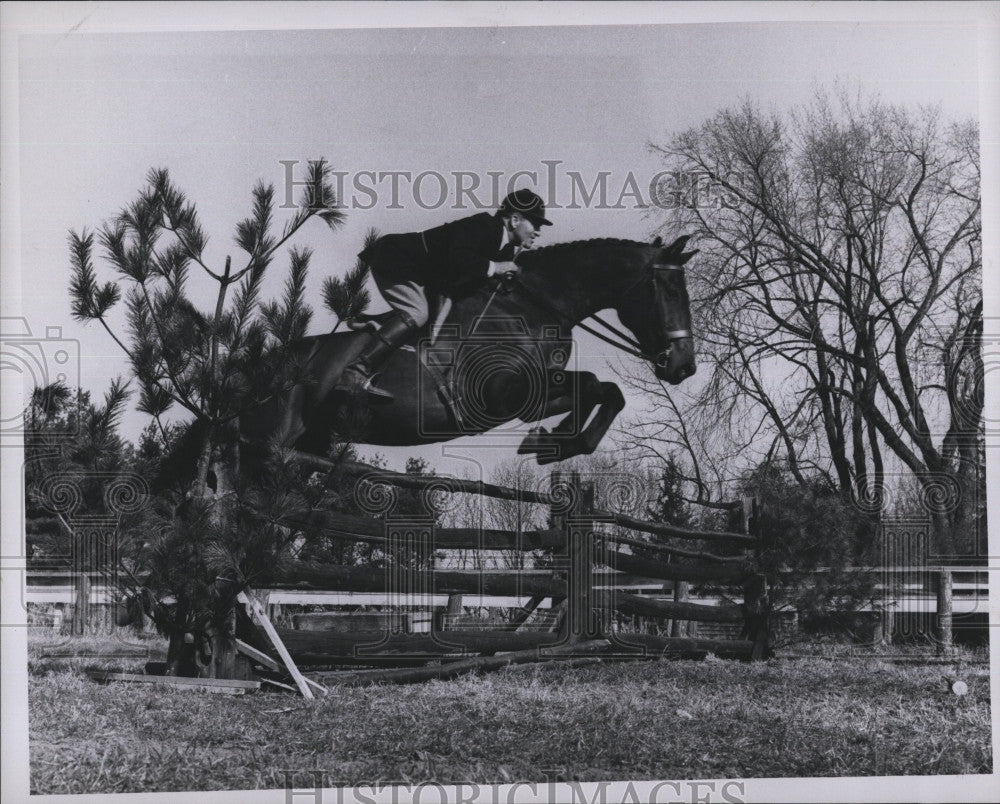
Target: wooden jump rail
{"points": [[578, 535], [456, 485]]}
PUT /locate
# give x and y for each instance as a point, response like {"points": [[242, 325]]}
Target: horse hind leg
{"points": [[609, 404], [577, 395]]}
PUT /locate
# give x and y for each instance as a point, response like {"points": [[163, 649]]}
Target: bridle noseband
{"points": [[634, 348], [630, 346]]}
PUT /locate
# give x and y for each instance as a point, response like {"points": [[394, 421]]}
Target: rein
{"points": [[630, 346]]}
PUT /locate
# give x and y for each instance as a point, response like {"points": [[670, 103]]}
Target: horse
{"points": [[500, 358]]}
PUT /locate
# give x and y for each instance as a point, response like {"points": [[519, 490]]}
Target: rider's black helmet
{"points": [[525, 203]]}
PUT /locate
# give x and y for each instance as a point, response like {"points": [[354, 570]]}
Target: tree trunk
{"points": [[201, 646]]}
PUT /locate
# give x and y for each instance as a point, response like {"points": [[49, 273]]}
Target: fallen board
{"points": [[221, 686], [329, 647], [566, 653]]}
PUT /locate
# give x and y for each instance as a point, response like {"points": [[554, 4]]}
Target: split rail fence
{"points": [[585, 585]]}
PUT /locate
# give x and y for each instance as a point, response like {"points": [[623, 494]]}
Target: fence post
{"points": [[452, 612], [944, 609], [81, 608], [679, 628], [756, 600], [582, 618], [578, 527]]}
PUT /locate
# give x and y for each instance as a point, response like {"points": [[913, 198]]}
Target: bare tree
{"points": [[839, 306]]}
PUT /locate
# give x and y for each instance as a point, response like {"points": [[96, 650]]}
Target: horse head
{"points": [[656, 310]]}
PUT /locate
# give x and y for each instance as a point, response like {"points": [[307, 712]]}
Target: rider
{"points": [[446, 261]]}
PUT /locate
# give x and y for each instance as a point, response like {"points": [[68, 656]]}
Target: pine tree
{"points": [[207, 536], [77, 470]]}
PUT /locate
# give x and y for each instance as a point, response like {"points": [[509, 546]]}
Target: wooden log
{"points": [[328, 647], [677, 571], [685, 646], [480, 664], [699, 555], [365, 579], [374, 531], [418, 482], [668, 609]]}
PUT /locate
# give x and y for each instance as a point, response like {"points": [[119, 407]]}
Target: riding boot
{"points": [[357, 377]]}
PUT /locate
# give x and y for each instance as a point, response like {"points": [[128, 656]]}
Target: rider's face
{"points": [[522, 231]]}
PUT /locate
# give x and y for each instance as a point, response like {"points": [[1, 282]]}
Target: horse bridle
{"points": [[630, 346]]}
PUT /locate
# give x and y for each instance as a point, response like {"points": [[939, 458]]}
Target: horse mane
{"points": [[532, 257]]}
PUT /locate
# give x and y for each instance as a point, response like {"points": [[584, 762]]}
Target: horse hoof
{"points": [[534, 441]]}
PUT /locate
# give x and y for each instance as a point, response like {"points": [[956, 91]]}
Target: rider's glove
{"points": [[507, 280]]}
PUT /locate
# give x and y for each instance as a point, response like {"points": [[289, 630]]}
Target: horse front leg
{"points": [[577, 395]]}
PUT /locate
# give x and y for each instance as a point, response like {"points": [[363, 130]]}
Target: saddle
{"points": [[368, 321], [441, 375]]}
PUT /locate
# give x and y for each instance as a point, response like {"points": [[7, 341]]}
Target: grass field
{"points": [[648, 720]]}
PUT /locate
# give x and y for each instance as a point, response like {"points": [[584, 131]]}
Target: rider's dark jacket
{"points": [[451, 259]]}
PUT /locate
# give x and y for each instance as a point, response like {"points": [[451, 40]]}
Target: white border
{"points": [[69, 18]]}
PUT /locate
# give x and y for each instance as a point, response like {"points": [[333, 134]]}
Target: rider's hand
{"points": [[505, 268], [506, 280]]}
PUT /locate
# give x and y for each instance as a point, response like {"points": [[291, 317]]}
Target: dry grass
{"points": [[812, 717]]}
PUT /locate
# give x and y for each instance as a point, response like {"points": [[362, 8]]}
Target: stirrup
{"points": [[375, 393], [354, 382]]}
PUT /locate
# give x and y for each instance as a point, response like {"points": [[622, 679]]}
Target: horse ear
{"points": [[678, 245], [658, 241]]}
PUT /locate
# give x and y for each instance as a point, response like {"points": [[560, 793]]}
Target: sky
{"points": [[224, 109]]}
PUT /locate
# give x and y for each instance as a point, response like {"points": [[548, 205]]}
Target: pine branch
{"points": [[181, 218], [89, 301], [109, 416], [253, 233], [347, 297]]}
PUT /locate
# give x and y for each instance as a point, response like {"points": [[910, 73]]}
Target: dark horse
{"points": [[501, 358]]}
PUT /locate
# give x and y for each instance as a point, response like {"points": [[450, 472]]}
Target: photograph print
{"points": [[499, 403]]}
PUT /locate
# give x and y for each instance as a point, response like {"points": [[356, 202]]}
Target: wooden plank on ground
{"points": [[331, 647], [222, 686], [264, 622], [447, 671], [257, 655]]}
